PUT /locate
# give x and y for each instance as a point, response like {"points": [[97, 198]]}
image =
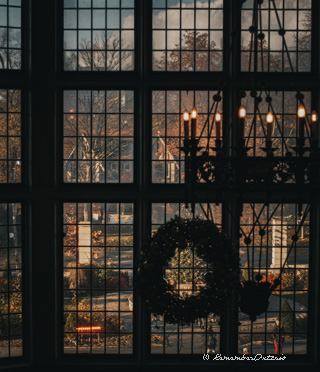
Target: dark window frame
{"points": [[43, 193]]}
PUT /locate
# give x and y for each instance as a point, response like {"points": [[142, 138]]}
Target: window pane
{"points": [[10, 136], [94, 30], [10, 35], [187, 28], [277, 52], [168, 130], [186, 272], [98, 136], [11, 334], [98, 278], [284, 131], [267, 254]]}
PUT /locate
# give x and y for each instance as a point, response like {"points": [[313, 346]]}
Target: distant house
{"points": [[99, 166], [168, 164]]}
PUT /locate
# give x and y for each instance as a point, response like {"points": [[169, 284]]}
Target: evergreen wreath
{"points": [[210, 245]]}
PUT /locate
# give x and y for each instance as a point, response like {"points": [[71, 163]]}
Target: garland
{"points": [[210, 245]]}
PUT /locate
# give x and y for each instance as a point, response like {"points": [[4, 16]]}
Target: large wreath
{"points": [[209, 244]]}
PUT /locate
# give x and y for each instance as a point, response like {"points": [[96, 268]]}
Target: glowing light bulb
{"points": [[314, 116], [242, 112], [218, 116], [301, 112], [270, 118], [194, 114], [186, 116]]}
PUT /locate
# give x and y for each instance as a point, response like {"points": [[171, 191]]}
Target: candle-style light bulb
{"points": [[301, 115], [314, 128], [269, 125], [242, 115], [193, 115], [301, 112], [314, 116], [242, 112], [218, 125], [186, 118]]}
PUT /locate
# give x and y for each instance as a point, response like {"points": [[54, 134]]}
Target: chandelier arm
{"points": [[249, 134], [279, 128], [261, 122], [208, 118], [307, 210], [203, 210], [283, 36], [212, 124], [260, 255], [211, 213], [261, 41], [274, 211], [257, 217], [308, 126]]}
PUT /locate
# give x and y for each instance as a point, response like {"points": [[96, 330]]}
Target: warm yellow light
{"points": [[194, 114], [301, 112], [71, 117], [314, 116], [218, 116], [270, 118], [242, 112], [186, 116], [71, 110]]}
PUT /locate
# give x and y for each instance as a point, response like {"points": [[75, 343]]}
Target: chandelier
{"points": [[226, 168]]}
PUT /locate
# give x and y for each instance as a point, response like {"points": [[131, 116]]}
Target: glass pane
{"points": [[11, 314], [98, 136], [185, 272], [282, 329], [186, 27], [168, 130], [97, 27], [10, 136], [10, 35], [98, 278], [278, 51]]}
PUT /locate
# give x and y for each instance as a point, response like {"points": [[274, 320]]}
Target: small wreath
{"points": [[209, 244]]}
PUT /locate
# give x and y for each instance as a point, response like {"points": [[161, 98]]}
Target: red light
{"points": [[89, 329]]}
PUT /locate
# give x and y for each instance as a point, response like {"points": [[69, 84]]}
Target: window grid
{"points": [[193, 26], [10, 136], [295, 18], [98, 274], [168, 130], [99, 35], [203, 336], [10, 34], [98, 136], [289, 302], [11, 329]]}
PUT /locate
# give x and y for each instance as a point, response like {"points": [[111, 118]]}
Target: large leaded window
{"points": [[92, 163]]}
